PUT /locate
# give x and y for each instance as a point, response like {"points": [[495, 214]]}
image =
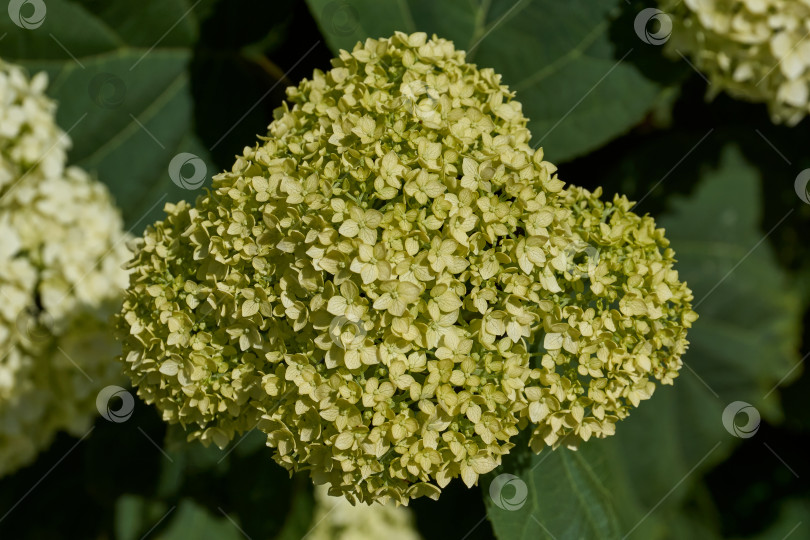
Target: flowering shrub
{"points": [[393, 283], [60, 276], [753, 49]]}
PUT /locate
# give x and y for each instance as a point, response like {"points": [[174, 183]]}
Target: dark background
{"points": [[75, 491]]}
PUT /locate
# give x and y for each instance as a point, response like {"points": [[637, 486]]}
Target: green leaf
{"points": [[793, 522], [568, 494], [192, 521], [748, 333], [299, 517], [577, 87], [135, 515], [119, 72], [743, 345], [683, 525]]}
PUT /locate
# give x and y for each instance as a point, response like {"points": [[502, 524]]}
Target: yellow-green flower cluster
{"points": [[607, 337], [389, 285], [754, 49], [337, 519], [61, 251]]}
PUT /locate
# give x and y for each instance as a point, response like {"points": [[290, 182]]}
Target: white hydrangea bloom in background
{"points": [[337, 519], [61, 249], [753, 49]]}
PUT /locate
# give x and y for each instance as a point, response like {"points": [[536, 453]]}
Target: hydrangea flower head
{"points": [[370, 283], [61, 251], [753, 49]]}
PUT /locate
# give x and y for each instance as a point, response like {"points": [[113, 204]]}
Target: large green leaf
{"points": [[742, 346], [749, 329], [744, 343], [578, 88], [118, 71], [567, 495]]}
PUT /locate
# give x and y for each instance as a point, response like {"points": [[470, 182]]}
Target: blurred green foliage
{"points": [[139, 82]]}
